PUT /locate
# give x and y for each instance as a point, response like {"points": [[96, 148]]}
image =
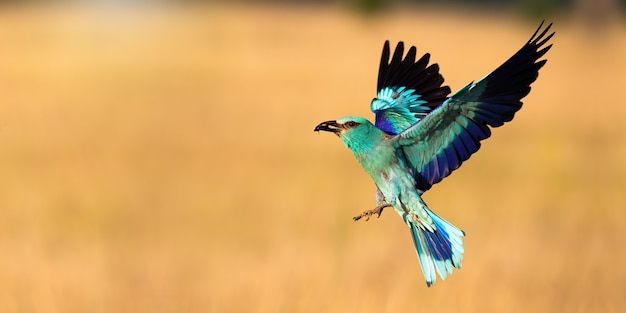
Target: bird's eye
{"points": [[351, 124]]}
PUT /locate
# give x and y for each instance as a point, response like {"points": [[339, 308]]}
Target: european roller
{"points": [[420, 135]]}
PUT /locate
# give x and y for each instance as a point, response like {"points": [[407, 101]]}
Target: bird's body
{"points": [[380, 156], [420, 136]]}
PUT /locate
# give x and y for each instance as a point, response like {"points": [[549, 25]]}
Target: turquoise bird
{"points": [[421, 135]]}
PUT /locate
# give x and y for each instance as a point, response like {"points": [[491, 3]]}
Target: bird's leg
{"points": [[377, 210]]}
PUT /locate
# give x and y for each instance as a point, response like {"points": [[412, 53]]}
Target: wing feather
{"points": [[407, 89], [440, 142]]}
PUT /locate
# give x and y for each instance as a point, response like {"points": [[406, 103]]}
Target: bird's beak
{"points": [[329, 126]]}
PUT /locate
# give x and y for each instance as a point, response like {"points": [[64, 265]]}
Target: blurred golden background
{"points": [[163, 159]]}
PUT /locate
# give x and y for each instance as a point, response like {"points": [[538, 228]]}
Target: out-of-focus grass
{"points": [[163, 160]]}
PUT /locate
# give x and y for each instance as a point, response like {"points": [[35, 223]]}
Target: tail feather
{"points": [[439, 248]]}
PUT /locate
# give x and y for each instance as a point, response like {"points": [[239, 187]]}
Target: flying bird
{"points": [[420, 135]]}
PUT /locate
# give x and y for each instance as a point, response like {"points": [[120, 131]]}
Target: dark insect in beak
{"points": [[329, 126]]}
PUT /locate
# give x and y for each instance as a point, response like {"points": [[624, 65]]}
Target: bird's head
{"points": [[354, 131]]}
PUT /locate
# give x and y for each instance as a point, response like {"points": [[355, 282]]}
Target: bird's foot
{"points": [[367, 214]]}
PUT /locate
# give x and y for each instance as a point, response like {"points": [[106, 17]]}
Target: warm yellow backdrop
{"points": [[164, 160]]}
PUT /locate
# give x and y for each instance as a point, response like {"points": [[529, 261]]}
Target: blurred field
{"points": [[163, 160]]}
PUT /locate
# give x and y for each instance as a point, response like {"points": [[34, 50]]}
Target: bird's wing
{"points": [[441, 141], [407, 89]]}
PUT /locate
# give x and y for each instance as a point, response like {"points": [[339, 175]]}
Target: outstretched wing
{"points": [[442, 140], [407, 89]]}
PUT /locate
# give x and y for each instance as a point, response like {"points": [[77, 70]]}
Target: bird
{"points": [[422, 133]]}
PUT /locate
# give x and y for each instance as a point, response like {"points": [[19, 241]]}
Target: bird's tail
{"points": [[439, 248]]}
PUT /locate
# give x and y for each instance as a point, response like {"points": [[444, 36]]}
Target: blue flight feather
{"points": [[468, 113]]}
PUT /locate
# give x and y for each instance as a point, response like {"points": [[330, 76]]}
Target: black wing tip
{"points": [[539, 40], [398, 69], [385, 50], [384, 59], [511, 81], [398, 52]]}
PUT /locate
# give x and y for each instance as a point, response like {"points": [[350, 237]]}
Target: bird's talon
{"points": [[367, 214]]}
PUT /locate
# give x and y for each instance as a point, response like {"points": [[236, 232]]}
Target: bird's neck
{"points": [[364, 141], [366, 145]]}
